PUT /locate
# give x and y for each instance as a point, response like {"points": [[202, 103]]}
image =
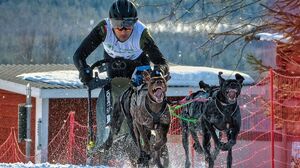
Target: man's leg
{"points": [[119, 85], [108, 112]]}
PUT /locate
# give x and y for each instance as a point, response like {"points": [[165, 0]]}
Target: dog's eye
{"points": [[232, 85], [152, 81]]}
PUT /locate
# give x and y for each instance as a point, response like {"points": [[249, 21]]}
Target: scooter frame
{"points": [[95, 83]]}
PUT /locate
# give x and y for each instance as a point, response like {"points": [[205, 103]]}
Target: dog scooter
{"points": [[104, 98]]}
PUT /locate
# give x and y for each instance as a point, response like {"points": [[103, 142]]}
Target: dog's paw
{"points": [[187, 164], [210, 162], [208, 159], [144, 158]]}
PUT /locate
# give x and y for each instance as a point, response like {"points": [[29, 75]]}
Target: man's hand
{"points": [[85, 74]]}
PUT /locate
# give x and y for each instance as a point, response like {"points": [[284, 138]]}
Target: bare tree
{"points": [[286, 20], [225, 23], [26, 46], [50, 52], [278, 16]]}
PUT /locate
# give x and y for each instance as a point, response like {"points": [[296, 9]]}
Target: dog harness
{"points": [[155, 115], [225, 116]]}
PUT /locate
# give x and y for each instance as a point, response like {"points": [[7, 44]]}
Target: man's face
{"points": [[123, 28], [123, 33]]}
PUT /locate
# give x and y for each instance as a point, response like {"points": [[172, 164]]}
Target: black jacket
{"points": [[151, 53]]}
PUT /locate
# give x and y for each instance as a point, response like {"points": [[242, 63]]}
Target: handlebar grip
{"points": [[97, 83], [99, 63]]}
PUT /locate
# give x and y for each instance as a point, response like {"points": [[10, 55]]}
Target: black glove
{"points": [[85, 74]]}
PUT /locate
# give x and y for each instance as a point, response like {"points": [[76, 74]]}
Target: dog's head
{"points": [[157, 84], [231, 88]]}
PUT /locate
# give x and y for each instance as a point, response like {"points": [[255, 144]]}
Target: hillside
{"points": [[50, 31]]}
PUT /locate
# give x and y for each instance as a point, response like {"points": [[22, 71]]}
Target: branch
{"points": [[153, 5], [226, 46], [172, 12], [241, 55], [212, 14], [227, 12], [187, 11], [257, 64], [238, 38], [280, 12]]}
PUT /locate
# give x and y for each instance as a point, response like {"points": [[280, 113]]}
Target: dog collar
{"points": [[220, 111]]}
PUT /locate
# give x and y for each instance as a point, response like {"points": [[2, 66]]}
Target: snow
{"points": [[176, 156], [45, 165], [188, 76], [64, 78], [191, 75], [271, 37]]}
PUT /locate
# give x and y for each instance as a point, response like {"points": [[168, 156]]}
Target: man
{"points": [[127, 45]]}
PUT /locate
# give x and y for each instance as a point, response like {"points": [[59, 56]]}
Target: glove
{"points": [[137, 80], [85, 74], [137, 77]]}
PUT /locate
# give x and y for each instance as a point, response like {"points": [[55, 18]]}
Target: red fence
{"points": [[270, 133]]}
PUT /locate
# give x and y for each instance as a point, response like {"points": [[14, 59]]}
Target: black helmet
{"points": [[121, 9]]}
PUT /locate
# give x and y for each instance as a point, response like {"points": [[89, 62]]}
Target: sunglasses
{"points": [[126, 23]]}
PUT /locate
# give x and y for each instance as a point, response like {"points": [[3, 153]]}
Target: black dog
{"points": [[220, 112]]}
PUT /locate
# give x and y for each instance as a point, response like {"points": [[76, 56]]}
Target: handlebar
{"points": [[96, 82], [116, 63], [100, 63]]}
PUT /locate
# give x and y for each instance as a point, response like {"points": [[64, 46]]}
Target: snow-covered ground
{"points": [[176, 155], [44, 165]]}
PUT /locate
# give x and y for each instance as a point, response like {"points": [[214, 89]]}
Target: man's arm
{"points": [[148, 45], [89, 44]]}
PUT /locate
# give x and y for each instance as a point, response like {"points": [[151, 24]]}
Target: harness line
{"points": [[183, 103], [176, 107], [190, 120]]}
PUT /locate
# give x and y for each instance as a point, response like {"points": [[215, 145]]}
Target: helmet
{"points": [[121, 9]]}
